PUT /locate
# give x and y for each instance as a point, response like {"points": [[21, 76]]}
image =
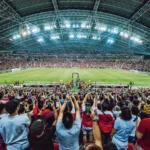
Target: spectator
{"points": [[39, 107], [14, 128], [97, 134], [68, 130], [122, 128], [106, 121], [41, 135], [62, 101], [86, 122], [136, 119], [3, 114], [143, 135]]}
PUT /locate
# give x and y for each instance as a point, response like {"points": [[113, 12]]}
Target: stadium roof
{"points": [[91, 25]]}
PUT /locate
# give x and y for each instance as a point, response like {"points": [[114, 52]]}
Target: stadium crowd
{"points": [[8, 61], [58, 118]]}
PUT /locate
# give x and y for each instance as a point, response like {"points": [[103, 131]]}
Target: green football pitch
{"points": [[43, 75]]}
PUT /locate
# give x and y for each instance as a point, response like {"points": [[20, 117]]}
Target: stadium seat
{"points": [[130, 146]]}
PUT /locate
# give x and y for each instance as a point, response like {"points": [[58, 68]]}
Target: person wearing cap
{"points": [[40, 136], [14, 128]]}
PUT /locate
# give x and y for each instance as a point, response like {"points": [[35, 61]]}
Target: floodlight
{"points": [[55, 37], [79, 36], [135, 39], [110, 41], [103, 28], [83, 25], [47, 28], [88, 27], [125, 35], [14, 37], [67, 25], [24, 33], [71, 36], [35, 30], [121, 34], [94, 38], [114, 31], [40, 39]]}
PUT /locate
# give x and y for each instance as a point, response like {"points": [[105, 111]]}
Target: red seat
{"points": [[130, 146]]}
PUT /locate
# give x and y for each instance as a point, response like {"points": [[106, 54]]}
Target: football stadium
{"points": [[74, 74]]}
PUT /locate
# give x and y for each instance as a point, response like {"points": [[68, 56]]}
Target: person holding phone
{"points": [[68, 130], [86, 121]]}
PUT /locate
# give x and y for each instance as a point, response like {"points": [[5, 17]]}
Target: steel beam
{"points": [[19, 21], [101, 16], [10, 11], [140, 12]]}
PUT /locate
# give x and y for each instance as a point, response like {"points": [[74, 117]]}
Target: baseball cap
{"points": [[37, 127]]}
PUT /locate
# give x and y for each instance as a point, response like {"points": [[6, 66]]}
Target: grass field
{"points": [[94, 75]]}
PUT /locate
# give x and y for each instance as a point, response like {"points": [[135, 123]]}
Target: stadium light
{"points": [[88, 27], [55, 37], [125, 35], [101, 27], [83, 25], [24, 33], [17, 36], [114, 31], [35, 30], [110, 41], [81, 36], [135, 39], [67, 25], [94, 38], [40, 39], [71, 36], [74, 26], [47, 28], [14, 37]]}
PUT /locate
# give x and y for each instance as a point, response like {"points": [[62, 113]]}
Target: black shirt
{"points": [[44, 142]]}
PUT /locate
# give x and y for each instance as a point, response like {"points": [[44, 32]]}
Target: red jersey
{"points": [[86, 119], [106, 121], [36, 111], [144, 128]]}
